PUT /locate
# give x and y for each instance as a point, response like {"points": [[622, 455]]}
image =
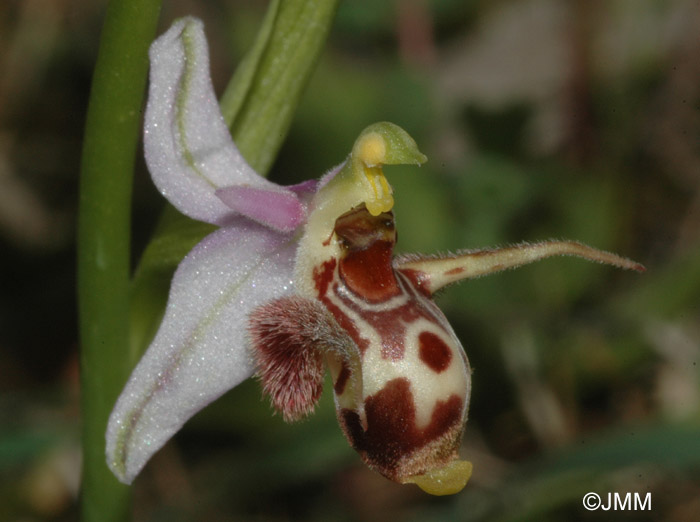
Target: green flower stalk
{"points": [[111, 136]]}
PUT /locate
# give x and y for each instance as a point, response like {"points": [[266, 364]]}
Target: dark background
{"points": [[541, 119]]}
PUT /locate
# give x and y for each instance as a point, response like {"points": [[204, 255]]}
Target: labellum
{"points": [[401, 378]]}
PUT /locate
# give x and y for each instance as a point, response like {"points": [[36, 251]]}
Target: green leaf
{"points": [[260, 101], [241, 84]]}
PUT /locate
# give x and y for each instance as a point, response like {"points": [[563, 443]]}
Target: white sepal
{"points": [[188, 147], [200, 350]]}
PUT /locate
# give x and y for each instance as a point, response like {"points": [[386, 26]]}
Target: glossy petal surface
{"points": [[201, 350]]}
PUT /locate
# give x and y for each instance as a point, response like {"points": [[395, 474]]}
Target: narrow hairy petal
{"points": [[289, 338], [200, 351], [188, 148], [432, 273]]}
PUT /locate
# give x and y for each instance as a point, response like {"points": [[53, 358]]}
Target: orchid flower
{"points": [[297, 279]]}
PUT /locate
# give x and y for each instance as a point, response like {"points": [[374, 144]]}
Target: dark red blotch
{"points": [[368, 242], [323, 276], [434, 352], [391, 432]]}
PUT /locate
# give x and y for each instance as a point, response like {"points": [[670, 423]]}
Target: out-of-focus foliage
{"points": [[540, 119]]}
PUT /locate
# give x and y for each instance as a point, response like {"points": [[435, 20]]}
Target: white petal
{"points": [[188, 147], [201, 350]]}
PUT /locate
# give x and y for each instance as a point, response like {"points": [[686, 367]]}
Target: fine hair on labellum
{"points": [[289, 337]]}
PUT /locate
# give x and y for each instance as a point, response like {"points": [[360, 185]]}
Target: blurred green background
{"points": [[541, 119]]}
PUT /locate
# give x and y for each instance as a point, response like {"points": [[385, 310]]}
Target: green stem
{"points": [[111, 136]]}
